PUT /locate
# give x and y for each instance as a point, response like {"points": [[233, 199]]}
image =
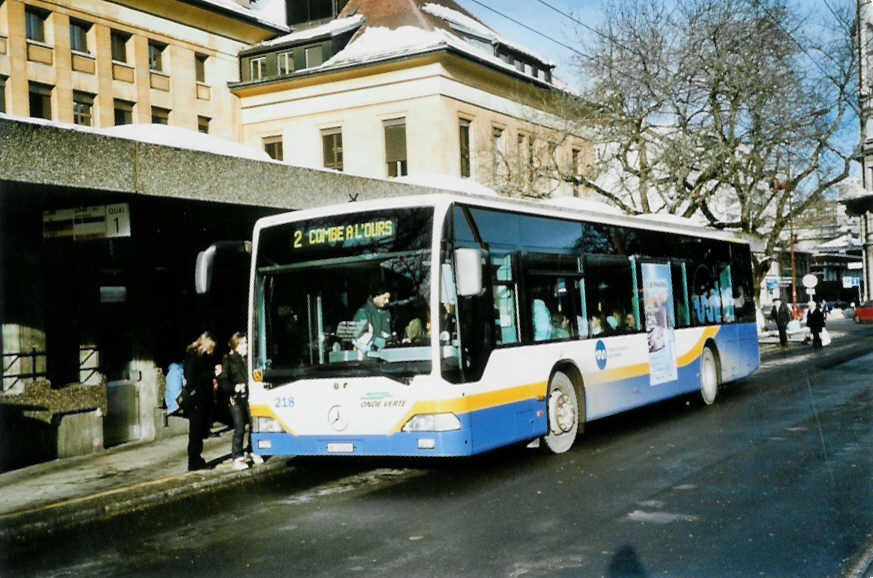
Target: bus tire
{"points": [[710, 375], [562, 413]]}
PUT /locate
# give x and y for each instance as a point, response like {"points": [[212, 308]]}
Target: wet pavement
{"points": [[51, 496]]}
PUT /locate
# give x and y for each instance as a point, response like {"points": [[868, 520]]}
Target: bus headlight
{"points": [[266, 425], [432, 422]]}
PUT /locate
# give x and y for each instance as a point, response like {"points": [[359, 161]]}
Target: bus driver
{"points": [[373, 321]]}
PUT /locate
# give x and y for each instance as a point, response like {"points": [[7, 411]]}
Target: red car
{"points": [[863, 312]]}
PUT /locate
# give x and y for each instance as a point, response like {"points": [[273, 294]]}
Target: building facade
{"points": [[99, 64], [409, 89]]}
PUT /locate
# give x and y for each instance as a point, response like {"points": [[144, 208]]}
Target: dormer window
{"points": [[286, 62], [256, 68]]}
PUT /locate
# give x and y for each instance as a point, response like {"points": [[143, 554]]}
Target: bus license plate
{"points": [[340, 448]]}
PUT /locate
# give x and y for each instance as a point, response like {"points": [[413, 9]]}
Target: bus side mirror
{"points": [[203, 270], [468, 271], [205, 264]]}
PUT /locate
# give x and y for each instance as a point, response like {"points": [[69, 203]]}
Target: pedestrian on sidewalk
{"points": [[816, 322], [200, 369], [234, 382], [782, 316]]}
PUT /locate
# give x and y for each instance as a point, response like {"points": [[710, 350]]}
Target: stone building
{"points": [[103, 211]]}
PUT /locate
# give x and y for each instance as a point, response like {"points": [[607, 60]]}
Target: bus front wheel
{"points": [[563, 414], [709, 376]]}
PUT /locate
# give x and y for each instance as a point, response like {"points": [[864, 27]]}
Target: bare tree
{"points": [[732, 110]]}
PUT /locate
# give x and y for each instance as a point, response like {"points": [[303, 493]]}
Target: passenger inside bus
{"points": [[415, 333], [560, 326], [542, 321]]}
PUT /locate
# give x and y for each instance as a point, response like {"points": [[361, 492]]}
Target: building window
{"points": [[160, 115], [2, 94], [83, 104], [203, 124], [395, 147], [286, 62], [498, 151], [119, 45], [35, 23], [79, 35], [40, 100], [314, 56], [332, 148], [464, 134], [123, 112], [200, 67], [256, 68], [273, 147], [156, 56]]}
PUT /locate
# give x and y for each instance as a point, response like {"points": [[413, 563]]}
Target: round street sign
{"points": [[809, 281]]}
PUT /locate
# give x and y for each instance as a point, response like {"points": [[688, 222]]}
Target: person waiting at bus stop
{"points": [[200, 369], [373, 321], [782, 316], [815, 321], [234, 382]]}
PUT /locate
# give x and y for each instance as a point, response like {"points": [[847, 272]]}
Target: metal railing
{"points": [[16, 377]]}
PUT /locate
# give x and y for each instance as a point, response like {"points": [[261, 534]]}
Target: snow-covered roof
{"points": [[453, 17], [170, 136], [266, 12], [841, 242], [332, 28], [183, 138], [395, 29], [378, 43]]}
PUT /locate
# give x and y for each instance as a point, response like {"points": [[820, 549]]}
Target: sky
{"points": [[544, 20], [541, 28], [547, 22]]}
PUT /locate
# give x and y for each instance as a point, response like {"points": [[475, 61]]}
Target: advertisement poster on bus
{"points": [[660, 321]]}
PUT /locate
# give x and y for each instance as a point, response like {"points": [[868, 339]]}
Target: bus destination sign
{"points": [[347, 235]]}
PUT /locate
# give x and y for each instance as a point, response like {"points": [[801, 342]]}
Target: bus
{"points": [[453, 324]]}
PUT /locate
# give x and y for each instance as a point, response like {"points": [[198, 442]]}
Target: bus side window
{"points": [[504, 299], [609, 291], [680, 295]]}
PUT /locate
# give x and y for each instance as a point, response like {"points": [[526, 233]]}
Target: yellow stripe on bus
{"points": [[261, 410], [695, 351], [466, 404]]}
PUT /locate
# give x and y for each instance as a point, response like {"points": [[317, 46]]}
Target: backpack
{"points": [[175, 382]]}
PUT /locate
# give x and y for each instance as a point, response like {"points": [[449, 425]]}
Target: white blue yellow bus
{"points": [[449, 325]]}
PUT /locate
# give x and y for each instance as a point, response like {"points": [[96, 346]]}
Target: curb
{"points": [[49, 518]]}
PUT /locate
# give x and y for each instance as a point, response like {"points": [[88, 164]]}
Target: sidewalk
{"points": [[44, 497]]}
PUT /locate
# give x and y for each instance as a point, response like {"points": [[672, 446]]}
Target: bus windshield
{"points": [[344, 295]]}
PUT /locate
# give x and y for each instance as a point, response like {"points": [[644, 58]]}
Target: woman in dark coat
{"points": [[235, 383], [200, 369], [816, 322]]}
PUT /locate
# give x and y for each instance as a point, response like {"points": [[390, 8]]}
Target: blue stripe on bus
{"points": [[492, 427]]}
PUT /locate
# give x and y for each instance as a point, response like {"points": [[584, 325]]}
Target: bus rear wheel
{"points": [[563, 414], [709, 376]]}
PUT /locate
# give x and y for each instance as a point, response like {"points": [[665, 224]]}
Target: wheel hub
{"points": [[562, 412]]}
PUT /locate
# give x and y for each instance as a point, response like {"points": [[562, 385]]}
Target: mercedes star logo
{"points": [[336, 417]]}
